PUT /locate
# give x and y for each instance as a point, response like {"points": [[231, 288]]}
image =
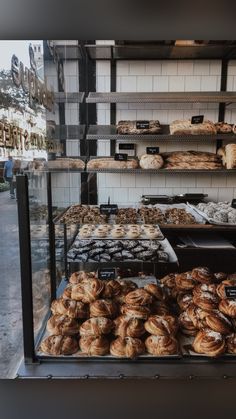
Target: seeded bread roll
{"points": [[151, 161]]}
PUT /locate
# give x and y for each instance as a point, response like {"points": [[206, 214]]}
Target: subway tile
{"points": [[230, 83], [176, 83], [219, 180], [122, 68], [160, 83], [192, 83], [128, 84], [113, 179], [188, 180], [212, 194], [172, 180], [185, 68], [165, 191], [147, 114], [232, 70], [127, 180], [143, 180], [103, 68], [70, 68], [201, 67], [128, 114], [104, 194], [120, 195], [203, 179], [135, 194], [169, 68], [208, 83], [158, 180], [226, 194], [153, 68], [144, 84], [137, 68], [215, 67], [231, 180]]}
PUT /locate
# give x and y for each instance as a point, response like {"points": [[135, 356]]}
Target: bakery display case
{"points": [[131, 290]]}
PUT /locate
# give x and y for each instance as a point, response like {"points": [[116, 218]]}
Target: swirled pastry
{"points": [[228, 307], [218, 322], [186, 325], [135, 311], [127, 347], [185, 281], [161, 325], [231, 343], [203, 275], [127, 286], [62, 325], [80, 276], [70, 308], [66, 295], [184, 300], [128, 326], [169, 280], [155, 291], [209, 343], [59, 345], [111, 289], [160, 308], [161, 345], [221, 287], [96, 326], [220, 276], [88, 291], [196, 315], [103, 308], [206, 300], [94, 345], [138, 297]]}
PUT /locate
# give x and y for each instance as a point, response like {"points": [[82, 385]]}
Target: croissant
{"points": [[70, 308], [231, 343], [62, 325], [216, 321], [161, 345], [209, 343], [184, 300], [128, 326], [186, 325], [161, 325], [111, 289], [203, 275], [184, 281], [103, 308], [59, 345], [228, 307], [88, 291], [138, 297], [96, 326], [80, 276], [135, 311], [155, 291], [127, 347], [94, 346]]}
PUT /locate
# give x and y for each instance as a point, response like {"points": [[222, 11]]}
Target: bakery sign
{"points": [[14, 137], [29, 81]]}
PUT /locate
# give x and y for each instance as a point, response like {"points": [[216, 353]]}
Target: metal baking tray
{"points": [[163, 207], [188, 352], [143, 235], [208, 219]]}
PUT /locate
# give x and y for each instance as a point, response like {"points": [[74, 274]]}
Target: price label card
{"points": [[152, 150], [108, 209], [198, 119], [233, 203], [126, 146], [121, 156], [142, 124], [107, 273], [230, 292]]}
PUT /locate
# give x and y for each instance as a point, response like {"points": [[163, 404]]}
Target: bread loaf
{"points": [[230, 156], [193, 165], [110, 163], [151, 161], [184, 127], [190, 157], [223, 128], [66, 163]]}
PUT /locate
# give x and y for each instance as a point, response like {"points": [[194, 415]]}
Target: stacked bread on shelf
{"points": [[207, 315], [191, 160], [139, 127]]}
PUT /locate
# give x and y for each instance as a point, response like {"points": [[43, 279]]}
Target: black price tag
{"points": [[126, 146], [233, 203], [121, 157], [152, 150], [108, 273], [108, 209], [230, 292], [198, 119], [142, 124]]}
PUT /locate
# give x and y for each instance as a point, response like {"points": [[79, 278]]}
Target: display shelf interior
{"points": [[166, 171], [109, 132], [69, 97], [69, 132], [164, 97], [69, 52], [158, 52]]}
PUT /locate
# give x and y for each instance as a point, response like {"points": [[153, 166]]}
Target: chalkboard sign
{"points": [[198, 119], [152, 150], [121, 156], [107, 273], [142, 124], [230, 292], [233, 203], [108, 209]]}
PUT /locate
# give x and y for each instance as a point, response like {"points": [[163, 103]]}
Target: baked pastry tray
{"points": [[188, 352], [143, 235], [188, 208], [208, 219]]}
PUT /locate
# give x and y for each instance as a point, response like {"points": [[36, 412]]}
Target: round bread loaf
{"points": [[151, 161]]}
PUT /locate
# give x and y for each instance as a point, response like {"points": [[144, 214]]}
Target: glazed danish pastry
{"points": [[70, 308], [203, 275], [128, 326], [127, 347], [135, 311], [185, 281], [209, 343], [138, 297], [80, 276], [218, 322], [184, 300], [103, 308], [231, 343], [111, 289], [161, 345], [96, 326], [186, 325], [228, 307], [59, 345], [94, 345], [155, 291], [161, 325], [62, 325], [88, 291]]}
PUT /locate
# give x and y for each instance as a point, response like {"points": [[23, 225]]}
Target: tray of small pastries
{"points": [[217, 213], [121, 231], [184, 314]]}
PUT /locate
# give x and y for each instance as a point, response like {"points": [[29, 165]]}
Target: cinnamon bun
{"points": [[103, 308], [203, 275], [135, 311], [88, 291], [155, 291], [111, 289], [70, 308], [96, 326], [138, 297], [127, 286], [67, 292], [209, 343], [184, 300], [80, 276], [160, 308], [206, 300], [127, 347], [161, 345], [59, 345], [185, 281], [228, 307], [94, 345], [62, 325], [186, 325], [128, 326], [169, 280], [218, 322], [196, 315], [161, 325], [231, 343]]}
